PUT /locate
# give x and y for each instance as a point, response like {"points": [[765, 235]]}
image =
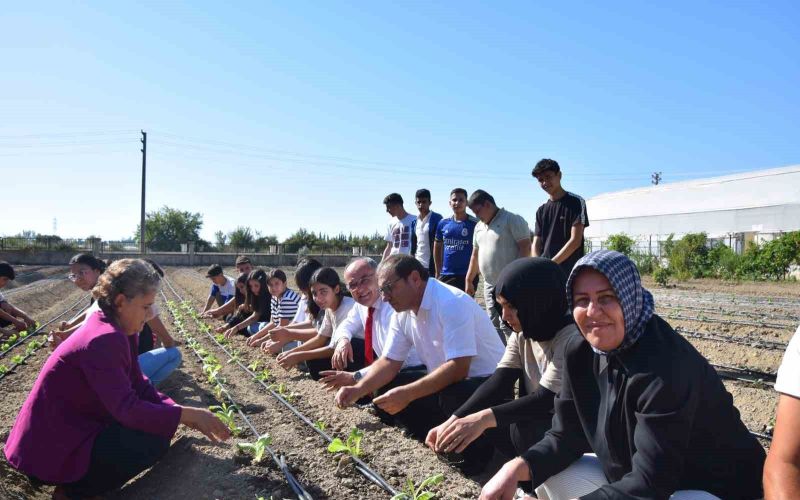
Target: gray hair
{"points": [[129, 277], [369, 260]]}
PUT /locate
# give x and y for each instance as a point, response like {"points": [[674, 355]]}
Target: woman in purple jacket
{"points": [[92, 421]]}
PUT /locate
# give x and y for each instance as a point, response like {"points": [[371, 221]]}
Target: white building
{"points": [[736, 209]]}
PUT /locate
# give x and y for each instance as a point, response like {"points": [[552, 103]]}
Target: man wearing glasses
{"points": [[453, 338], [500, 238], [367, 323]]}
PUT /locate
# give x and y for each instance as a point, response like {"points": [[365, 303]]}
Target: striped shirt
{"points": [[285, 306]]}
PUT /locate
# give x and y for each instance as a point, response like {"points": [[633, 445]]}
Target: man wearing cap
{"points": [[223, 287]]}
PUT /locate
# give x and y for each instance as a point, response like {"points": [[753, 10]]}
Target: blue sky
{"points": [[281, 115]]}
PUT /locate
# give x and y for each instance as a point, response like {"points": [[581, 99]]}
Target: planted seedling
{"points": [[6, 346], [220, 338], [352, 446], [23, 334], [257, 449], [3, 369], [253, 367], [218, 391], [234, 357], [410, 492], [12, 338], [227, 414], [18, 359], [282, 391], [319, 424], [263, 375]]}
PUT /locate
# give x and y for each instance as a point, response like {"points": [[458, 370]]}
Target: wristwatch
{"points": [[357, 376]]}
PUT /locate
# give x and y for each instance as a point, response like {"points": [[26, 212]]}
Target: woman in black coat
{"points": [[638, 396]]}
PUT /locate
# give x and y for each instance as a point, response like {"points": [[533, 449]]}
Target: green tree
{"points": [[221, 239], [167, 228], [241, 238], [299, 239], [621, 243]]}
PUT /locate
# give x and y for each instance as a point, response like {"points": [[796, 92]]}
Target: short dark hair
{"points": [[6, 271], [459, 190], [213, 270], [276, 273], [423, 193], [480, 196], [404, 265], [90, 260], [242, 259], [545, 165], [393, 199]]}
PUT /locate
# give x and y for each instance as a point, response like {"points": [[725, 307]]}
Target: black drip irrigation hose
{"points": [[280, 461], [665, 304], [362, 467], [748, 341], [745, 375], [776, 326], [41, 328]]}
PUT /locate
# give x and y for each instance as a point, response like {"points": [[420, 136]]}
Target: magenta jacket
{"points": [[91, 380]]}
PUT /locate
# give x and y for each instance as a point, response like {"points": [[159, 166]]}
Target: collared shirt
{"points": [[497, 242], [356, 320], [449, 324], [422, 230]]}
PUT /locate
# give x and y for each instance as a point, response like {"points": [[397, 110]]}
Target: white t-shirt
{"points": [[399, 235], [332, 318], [449, 324], [301, 315], [788, 381], [423, 245], [226, 291]]}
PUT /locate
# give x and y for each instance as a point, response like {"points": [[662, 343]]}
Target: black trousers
{"points": [[423, 414], [118, 454], [458, 280], [318, 365]]}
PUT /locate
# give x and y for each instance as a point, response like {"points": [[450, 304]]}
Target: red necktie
{"points": [[368, 356]]}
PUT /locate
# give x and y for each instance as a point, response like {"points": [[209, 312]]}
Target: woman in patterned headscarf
{"points": [[650, 409]]}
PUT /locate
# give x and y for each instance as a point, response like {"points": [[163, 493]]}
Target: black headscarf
{"points": [[536, 287]]}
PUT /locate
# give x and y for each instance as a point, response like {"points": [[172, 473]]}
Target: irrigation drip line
{"points": [[718, 310], [280, 461], [703, 319], [39, 330], [735, 299], [743, 340], [745, 375], [31, 286], [360, 465]]}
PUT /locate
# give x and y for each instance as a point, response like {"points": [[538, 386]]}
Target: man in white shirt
{"points": [[425, 230], [454, 339], [370, 309], [400, 236]]}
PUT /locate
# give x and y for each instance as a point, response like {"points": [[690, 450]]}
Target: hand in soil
{"points": [[206, 422], [342, 354], [333, 379], [347, 396], [231, 332], [460, 432], [288, 360], [393, 401], [279, 334], [270, 347], [221, 329]]}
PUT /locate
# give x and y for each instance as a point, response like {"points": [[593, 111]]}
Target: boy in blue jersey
{"points": [[223, 288], [452, 246]]}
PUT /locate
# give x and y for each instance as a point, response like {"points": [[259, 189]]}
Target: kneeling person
{"points": [[453, 338]]}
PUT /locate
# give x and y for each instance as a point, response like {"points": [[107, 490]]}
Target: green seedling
{"points": [[211, 372], [319, 424], [6, 346], [218, 392], [234, 357], [257, 449], [23, 334], [220, 338], [263, 375], [31, 349], [352, 446], [253, 367], [282, 391], [18, 359], [410, 492], [12, 338], [3, 369], [227, 414]]}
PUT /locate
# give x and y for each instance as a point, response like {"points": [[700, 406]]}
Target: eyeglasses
{"points": [[355, 284], [387, 287], [76, 276]]}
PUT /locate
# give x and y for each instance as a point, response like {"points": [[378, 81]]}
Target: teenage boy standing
{"points": [[453, 246], [560, 221], [425, 229], [400, 235]]}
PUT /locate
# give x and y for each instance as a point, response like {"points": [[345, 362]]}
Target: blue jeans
{"points": [[255, 327], [159, 363]]}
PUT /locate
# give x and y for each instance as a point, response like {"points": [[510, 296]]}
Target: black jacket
{"points": [[658, 418]]}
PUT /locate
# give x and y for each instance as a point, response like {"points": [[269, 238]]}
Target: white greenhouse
{"points": [[735, 209]]}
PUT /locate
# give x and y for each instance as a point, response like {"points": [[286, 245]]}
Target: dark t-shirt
{"points": [[554, 221]]}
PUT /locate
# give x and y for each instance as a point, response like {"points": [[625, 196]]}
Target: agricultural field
{"points": [[286, 423]]}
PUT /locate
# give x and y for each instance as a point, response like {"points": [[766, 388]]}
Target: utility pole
{"points": [[655, 178], [142, 244]]}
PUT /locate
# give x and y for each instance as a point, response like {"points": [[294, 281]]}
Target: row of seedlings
{"points": [[228, 409], [14, 341], [351, 445]]}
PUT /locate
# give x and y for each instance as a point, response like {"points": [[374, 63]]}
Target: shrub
{"points": [[621, 243], [661, 275]]}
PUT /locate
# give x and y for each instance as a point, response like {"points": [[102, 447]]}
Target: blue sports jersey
{"points": [[457, 239]]}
